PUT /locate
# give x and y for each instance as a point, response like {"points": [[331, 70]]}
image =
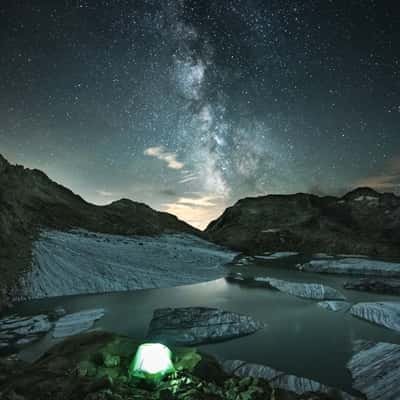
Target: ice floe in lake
{"points": [[315, 291], [281, 380], [72, 324], [275, 256], [335, 305], [15, 330], [385, 313], [375, 369], [195, 325], [78, 262], [353, 266]]}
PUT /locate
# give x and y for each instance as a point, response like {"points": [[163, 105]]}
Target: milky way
{"points": [[190, 105]]}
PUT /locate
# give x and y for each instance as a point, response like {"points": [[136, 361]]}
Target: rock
{"points": [[314, 291], [375, 369], [78, 322], [374, 285], [196, 325], [74, 370], [335, 305], [280, 380], [354, 266], [16, 330], [383, 313]]}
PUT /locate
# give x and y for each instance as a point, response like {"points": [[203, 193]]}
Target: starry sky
{"points": [[190, 105]]}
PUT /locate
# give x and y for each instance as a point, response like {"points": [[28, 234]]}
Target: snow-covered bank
{"points": [[78, 262]]}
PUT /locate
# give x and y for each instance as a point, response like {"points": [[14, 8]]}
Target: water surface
{"points": [[300, 338]]}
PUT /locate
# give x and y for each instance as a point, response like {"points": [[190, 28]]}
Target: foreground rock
{"points": [[375, 368], [381, 313], [313, 291], [87, 262], [354, 266], [335, 305], [30, 201], [195, 325], [80, 369], [361, 222], [280, 380], [375, 285]]}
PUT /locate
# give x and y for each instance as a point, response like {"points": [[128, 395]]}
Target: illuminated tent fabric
{"points": [[152, 362]]}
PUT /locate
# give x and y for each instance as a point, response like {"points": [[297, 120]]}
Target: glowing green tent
{"points": [[152, 362]]}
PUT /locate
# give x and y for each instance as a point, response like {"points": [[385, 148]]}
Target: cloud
{"points": [[162, 154], [104, 193], [388, 181], [169, 192], [198, 210]]}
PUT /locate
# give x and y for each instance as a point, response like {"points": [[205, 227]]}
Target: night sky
{"points": [[190, 105]]}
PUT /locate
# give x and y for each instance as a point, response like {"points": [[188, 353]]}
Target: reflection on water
{"points": [[300, 337]]}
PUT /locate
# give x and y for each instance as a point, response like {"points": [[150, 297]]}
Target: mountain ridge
{"points": [[31, 201], [362, 221]]}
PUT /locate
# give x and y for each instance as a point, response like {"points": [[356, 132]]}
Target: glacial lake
{"points": [[300, 338]]}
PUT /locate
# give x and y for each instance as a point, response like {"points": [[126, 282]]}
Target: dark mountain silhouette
{"points": [[363, 222]]}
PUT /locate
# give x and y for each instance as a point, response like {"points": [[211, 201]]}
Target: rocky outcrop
{"points": [[363, 222], [196, 325], [353, 266], [383, 313], [281, 380], [95, 367], [374, 285], [375, 368], [30, 201]]}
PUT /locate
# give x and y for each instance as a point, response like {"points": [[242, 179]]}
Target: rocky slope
{"points": [[94, 366], [361, 222], [30, 201]]}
